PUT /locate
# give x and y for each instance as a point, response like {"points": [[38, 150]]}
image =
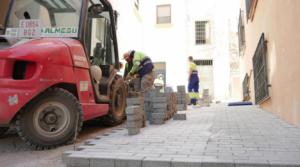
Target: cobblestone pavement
{"points": [[215, 136]]}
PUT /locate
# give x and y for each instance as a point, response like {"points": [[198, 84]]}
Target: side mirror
{"points": [[116, 15]]}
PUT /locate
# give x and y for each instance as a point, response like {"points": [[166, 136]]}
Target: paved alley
{"points": [[215, 136]]}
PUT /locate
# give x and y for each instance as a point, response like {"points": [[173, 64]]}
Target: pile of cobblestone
{"points": [[181, 98], [135, 113], [154, 106]]}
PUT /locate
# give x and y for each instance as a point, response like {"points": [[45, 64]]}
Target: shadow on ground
{"points": [[14, 152]]}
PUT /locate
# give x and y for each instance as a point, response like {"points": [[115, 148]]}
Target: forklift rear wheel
{"points": [[117, 105], [3, 130], [50, 119]]}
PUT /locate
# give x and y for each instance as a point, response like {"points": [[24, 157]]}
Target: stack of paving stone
{"points": [[134, 119], [158, 110], [149, 95], [138, 100], [134, 85], [206, 97], [181, 98], [171, 105], [179, 116]]}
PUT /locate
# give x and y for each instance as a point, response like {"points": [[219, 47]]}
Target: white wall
{"points": [[130, 26], [167, 42], [174, 42], [218, 13]]}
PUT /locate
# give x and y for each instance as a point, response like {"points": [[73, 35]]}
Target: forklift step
{"points": [[104, 99]]}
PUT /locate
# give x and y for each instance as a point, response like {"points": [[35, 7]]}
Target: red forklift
{"points": [[58, 68]]}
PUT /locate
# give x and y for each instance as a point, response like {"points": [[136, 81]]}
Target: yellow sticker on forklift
{"points": [[84, 86]]}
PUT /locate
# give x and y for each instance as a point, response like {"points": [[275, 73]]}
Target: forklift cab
{"points": [[99, 38], [101, 47]]}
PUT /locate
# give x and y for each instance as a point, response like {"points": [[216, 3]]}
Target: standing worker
{"points": [[141, 65], [193, 87]]}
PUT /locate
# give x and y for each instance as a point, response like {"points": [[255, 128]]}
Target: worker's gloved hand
{"points": [[136, 76], [129, 77]]}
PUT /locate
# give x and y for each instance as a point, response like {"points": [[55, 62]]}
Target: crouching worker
{"points": [[141, 66]]}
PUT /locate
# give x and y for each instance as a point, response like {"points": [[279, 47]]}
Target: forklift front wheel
{"points": [[117, 105], [52, 119]]}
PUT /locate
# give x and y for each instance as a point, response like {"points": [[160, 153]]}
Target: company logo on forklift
{"points": [[33, 29], [59, 32], [13, 100]]}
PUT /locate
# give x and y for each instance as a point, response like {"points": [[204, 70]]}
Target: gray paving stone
{"points": [[134, 117], [159, 100], [247, 163], [158, 94], [77, 160], [157, 121], [156, 162], [186, 162], [133, 124], [178, 116], [130, 112], [157, 116], [180, 107], [158, 110], [129, 161], [133, 131], [159, 106], [102, 162]]}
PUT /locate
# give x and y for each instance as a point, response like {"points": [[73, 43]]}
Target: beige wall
{"points": [[280, 21], [3, 9]]}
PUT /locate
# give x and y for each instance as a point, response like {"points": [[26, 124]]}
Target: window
{"points": [[250, 8], [241, 33], [203, 62], [202, 32], [99, 40], [260, 72], [163, 13]]}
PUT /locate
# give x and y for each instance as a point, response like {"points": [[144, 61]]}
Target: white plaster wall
{"points": [[218, 13], [167, 42], [130, 26], [173, 43]]}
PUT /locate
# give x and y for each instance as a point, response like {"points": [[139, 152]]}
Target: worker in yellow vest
{"points": [[193, 87], [141, 65]]}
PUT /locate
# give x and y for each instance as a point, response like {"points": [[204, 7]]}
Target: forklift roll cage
{"points": [[83, 22]]}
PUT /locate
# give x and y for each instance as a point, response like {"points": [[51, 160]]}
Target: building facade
{"points": [[174, 30], [268, 37]]}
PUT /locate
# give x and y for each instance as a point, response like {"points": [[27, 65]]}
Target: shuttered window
{"points": [[163, 14], [260, 72]]}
